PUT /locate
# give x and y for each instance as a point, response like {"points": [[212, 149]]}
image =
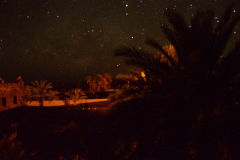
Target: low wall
{"points": [[64, 102]]}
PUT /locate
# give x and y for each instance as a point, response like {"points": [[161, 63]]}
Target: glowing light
{"points": [[143, 74]]}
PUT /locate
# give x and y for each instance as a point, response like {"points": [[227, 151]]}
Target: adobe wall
{"points": [[11, 95]]}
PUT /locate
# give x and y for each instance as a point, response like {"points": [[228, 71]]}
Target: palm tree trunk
{"points": [[66, 102], [41, 102]]}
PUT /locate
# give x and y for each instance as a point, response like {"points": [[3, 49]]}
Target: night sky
{"points": [[66, 40]]}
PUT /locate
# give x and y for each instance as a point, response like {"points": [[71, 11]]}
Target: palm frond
{"points": [[144, 60], [229, 64], [41, 90], [177, 21], [225, 34], [156, 45]]}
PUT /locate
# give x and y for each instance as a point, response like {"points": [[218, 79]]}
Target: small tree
{"points": [[98, 83], [92, 86], [108, 77]]}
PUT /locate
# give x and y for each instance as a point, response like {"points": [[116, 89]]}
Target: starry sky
{"points": [[66, 40]]}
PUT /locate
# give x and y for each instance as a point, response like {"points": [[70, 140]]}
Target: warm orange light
{"points": [[143, 74]]}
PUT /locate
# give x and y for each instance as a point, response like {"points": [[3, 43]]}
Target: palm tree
{"points": [[41, 90], [200, 51], [75, 94], [195, 86]]}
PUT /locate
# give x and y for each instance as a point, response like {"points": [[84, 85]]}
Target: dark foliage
{"points": [[197, 95]]}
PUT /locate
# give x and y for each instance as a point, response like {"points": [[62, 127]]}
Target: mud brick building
{"points": [[11, 94]]}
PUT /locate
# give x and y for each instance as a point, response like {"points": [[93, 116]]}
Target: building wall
{"points": [[7, 93]]}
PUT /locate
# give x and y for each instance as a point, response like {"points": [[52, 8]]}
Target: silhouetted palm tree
{"points": [[41, 90], [192, 88], [75, 94]]}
